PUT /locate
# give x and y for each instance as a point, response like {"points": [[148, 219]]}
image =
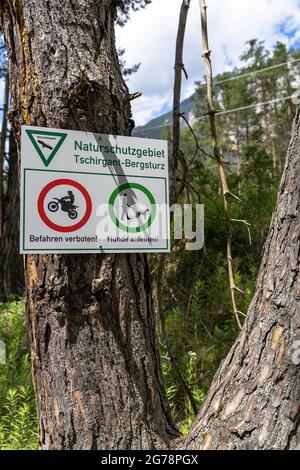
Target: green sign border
{"points": [[113, 216], [62, 136], [92, 250]]}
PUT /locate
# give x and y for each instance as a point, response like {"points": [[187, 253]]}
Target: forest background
{"points": [[196, 307]]}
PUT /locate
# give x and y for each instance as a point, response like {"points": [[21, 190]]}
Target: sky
{"points": [[150, 35]]}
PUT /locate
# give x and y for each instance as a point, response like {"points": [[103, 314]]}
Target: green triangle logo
{"points": [[46, 143]]}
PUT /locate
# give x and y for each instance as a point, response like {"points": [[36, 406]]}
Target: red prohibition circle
{"points": [[60, 228]]}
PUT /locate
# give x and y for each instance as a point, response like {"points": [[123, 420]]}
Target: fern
{"points": [[18, 426], [18, 421]]}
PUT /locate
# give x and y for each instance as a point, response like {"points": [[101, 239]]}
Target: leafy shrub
{"points": [[18, 421]]}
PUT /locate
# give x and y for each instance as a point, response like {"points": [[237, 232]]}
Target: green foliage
{"points": [[18, 421], [196, 295], [18, 427], [184, 414]]}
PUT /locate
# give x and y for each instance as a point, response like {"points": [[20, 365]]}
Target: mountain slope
{"points": [[152, 129]]}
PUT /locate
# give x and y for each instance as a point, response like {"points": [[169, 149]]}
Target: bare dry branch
{"points": [[199, 148], [178, 155], [227, 194], [164, 333], [247, 226], [134, 96], [179, 68]]}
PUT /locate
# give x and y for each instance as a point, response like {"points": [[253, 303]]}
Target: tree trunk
{"points": [[2, 159], [95, 360], [254, 401], [2, 152], [11, 261], [96, 365]]}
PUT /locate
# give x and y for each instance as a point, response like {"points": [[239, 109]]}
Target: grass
{"points": [[18, 420]]}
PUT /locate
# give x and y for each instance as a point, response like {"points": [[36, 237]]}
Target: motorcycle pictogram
{"points": [[66, 204]]}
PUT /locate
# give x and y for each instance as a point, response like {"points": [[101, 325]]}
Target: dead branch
{"points": [[199, 148], [241, 221], [134, 96], [227, 194], [164, 333], [179, 68], [177, 156]]}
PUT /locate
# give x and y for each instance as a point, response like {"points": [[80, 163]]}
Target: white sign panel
{"points": [[89, 193]]}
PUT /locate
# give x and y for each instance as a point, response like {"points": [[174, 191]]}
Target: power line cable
{"points": [[236, 77], [228, 111], [253, 72], [263, 103]]}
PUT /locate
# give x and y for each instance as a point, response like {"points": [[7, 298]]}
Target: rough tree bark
{"points": [[95, 361], [254, 401], [2, 151], [11, 260], [2, 159]]}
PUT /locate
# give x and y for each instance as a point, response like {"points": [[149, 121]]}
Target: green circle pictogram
{"points": [[113, 216]]}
